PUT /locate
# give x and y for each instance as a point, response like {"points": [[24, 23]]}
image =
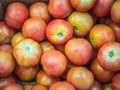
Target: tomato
{"points": [[27, 52], [26, 74], [108, 56], [81, 77], [100, 34], [7, 80], [59, 8], [102, 7], [59, 31], [15, 15], [115, 14], [13, 86], [39, 87], [100, 73], [34, 28], [17, 37], [6, 32], [7, 64], [82, 5], [46, 46], [44, 79], [40, 9], [6, 47], [116, 82], [78, 21], [56, 60], [62, 85], [78, 51]]}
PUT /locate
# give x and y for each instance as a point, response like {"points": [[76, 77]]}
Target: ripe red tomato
{"points": [[15, 15], [81, 77], [59, 31], [78, 51], [100, 73], [102, 7], [34, 28], [59, 8], [54, 62], [40, 9], [108, 56]]}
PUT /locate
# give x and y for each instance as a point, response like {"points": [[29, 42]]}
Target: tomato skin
{"points": [[80, 77], [15, 15], [100, 73]]}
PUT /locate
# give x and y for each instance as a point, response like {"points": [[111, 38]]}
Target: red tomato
{"points": [[34, 28], [100, 73], [54, 62], [15, 15], [78, 51], [108, 56], [59, 8], [40, 9], [81, 77], [102, 7], [59, 31]]}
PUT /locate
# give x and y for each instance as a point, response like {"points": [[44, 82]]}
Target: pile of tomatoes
{"points": [[60, 45]]}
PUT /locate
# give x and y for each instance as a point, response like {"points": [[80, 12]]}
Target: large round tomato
{"points": [[78, 51], [80, 77], [27, 52]]}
